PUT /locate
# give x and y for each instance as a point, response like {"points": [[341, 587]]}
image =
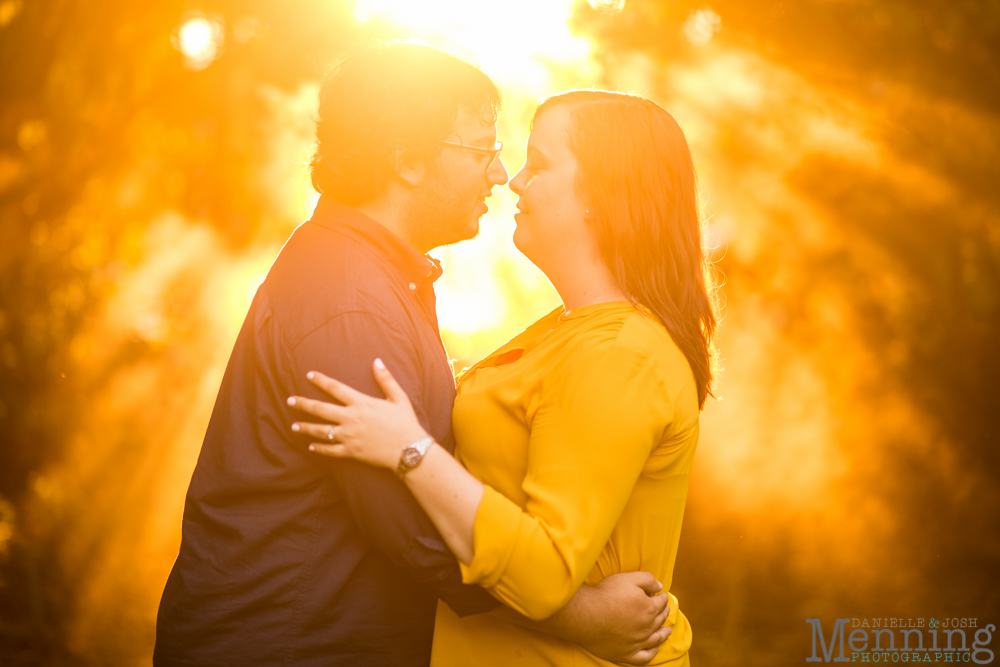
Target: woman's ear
{"points": [[409, 167]]}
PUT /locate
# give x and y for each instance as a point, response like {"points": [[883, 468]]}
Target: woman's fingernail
{"points": [[379, 365], [660, 586], [296, 428], [291, 400], [312, 448], [310, 375], [669, 631]]}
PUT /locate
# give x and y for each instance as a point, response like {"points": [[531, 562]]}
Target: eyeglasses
{"points": [[494, 152]]}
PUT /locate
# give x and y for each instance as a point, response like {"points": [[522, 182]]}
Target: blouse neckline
{"points": [[583, 311]]}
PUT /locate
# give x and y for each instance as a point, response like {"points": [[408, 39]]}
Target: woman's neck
{"points": [[582, 284]]}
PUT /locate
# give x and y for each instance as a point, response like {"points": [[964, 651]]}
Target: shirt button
{"points": [[413, 286]]}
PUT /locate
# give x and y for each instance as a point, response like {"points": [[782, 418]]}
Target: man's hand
{"points": [[619, 619], [626, 617]]}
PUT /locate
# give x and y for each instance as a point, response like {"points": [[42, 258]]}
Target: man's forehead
{"points": [[474, 126]]}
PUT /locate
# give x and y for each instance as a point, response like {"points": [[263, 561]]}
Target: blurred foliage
{"points": [[883, 275]]}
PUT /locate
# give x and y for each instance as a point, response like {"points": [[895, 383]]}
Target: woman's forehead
{"points": [[550, 130]]}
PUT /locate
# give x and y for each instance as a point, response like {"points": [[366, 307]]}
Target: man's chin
{"points": [[471, 231], [466, 233]]}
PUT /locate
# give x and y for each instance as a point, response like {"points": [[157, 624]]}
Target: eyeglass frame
{"points": [[494, 153]]}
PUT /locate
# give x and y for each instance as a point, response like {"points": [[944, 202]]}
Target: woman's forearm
{"points": [[450, 495]]}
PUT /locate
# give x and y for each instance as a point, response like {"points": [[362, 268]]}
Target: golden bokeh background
{"points": [[153, 160]]}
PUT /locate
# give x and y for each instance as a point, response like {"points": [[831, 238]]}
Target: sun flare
{"points": [[514, 41], [199, 39]]}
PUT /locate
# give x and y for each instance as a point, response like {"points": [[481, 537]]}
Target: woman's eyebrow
{"points": [[535, 153]]}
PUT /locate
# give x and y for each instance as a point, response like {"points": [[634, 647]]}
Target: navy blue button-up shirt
{"points": [[289, 558]]}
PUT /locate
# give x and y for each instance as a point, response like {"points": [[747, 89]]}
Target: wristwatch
{"points": [[413, 455]]}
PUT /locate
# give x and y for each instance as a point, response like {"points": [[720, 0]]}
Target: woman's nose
{"points": [[517, 183]]}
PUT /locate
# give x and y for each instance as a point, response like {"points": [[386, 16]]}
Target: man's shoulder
{"points": [[321, 274]]}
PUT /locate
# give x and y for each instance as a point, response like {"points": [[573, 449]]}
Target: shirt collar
{"points": [[339, 217]]}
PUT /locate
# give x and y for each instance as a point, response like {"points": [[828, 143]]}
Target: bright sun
{"points": [[514, 40]]}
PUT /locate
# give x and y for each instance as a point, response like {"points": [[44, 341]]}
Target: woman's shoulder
{"points": [[629, 331], [643, 335], [630, 353], [642, 331]]}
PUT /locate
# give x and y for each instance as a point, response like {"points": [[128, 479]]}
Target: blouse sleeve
{"points": [[591, 434]]}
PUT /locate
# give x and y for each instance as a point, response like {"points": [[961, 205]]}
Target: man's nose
{"points": [[497, 173]]}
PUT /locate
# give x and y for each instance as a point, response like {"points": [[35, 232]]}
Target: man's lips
{"points": [[482, 200]]}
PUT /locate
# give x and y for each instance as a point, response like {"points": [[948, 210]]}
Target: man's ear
{"points": [[409, 167]]}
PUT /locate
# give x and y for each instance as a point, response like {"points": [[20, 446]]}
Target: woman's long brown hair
{"points": [[638, 180]]}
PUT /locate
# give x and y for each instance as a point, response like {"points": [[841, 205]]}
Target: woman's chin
{"points": [[520, 241]]}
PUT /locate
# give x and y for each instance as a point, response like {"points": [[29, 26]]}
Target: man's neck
{"points": [[391, 215]]}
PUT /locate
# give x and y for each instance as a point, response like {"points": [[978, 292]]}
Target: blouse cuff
{"points": [[494, 535]]}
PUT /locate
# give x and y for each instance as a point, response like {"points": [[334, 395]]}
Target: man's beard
{"points": [[436, 217]]}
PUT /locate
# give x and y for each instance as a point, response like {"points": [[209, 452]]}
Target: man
{"points": [[289, 558]]}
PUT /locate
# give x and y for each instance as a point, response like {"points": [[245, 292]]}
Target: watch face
{"points": [[411, 456]]}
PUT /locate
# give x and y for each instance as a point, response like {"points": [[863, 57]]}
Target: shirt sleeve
{"points": [[591, 434], [384, 510]]}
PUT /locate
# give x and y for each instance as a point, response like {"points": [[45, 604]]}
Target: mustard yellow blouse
{"points": [[583, 429]]}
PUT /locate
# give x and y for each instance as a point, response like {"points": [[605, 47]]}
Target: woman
{"points": [[577, 436]]}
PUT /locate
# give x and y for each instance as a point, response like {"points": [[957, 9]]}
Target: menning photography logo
{"points": [[919, 640]]}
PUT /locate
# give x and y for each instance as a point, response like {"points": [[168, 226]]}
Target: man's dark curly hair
{"points": [[388, 97]]}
